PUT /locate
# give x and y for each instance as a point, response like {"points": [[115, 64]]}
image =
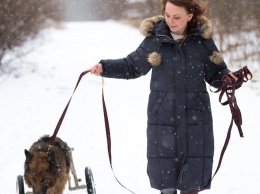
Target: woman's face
{"points": [[176, 18]]}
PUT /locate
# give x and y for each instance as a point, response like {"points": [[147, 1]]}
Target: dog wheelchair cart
{"points": [[90, 185]]}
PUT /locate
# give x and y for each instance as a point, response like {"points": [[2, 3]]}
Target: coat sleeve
{"points": [[132, 66], [215, 67]]}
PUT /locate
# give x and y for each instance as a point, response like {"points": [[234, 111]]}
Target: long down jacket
{"points": [[180, 142]]}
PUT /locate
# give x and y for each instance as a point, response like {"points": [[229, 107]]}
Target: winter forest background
{"points": [[42, 48], [234, 22]]}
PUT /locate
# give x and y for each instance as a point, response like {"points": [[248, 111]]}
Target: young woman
{"points": [[179, 49]]}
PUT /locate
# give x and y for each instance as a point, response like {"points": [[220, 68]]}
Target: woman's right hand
{"points": [[96, 70]]}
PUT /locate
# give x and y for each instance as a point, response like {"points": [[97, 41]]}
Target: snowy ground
{"points": [[31, 104]]}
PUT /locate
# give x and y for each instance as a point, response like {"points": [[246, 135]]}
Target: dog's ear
{"points": [[28, 155]]}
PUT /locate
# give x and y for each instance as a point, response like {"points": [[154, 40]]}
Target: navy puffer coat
{"points": [[180, 142]]}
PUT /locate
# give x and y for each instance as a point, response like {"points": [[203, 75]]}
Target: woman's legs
{"points": [[183, 192], [169, 191], [173, 191]]}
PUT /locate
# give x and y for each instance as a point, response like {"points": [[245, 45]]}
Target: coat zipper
{"points": [[183, 41], [182, 170]]}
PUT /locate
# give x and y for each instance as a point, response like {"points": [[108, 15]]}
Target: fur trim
{"points": [[154, 58], [216, 58], [147, 25], [206, 27]]}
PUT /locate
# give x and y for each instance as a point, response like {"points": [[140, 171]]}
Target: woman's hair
{"points": [[196, 7]]}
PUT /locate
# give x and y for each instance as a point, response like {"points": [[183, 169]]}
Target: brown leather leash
{"points": [[65, 110], [228, 87], [108, 136]]}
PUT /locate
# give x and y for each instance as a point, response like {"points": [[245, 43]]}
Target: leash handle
{"points": [[228, 87]]}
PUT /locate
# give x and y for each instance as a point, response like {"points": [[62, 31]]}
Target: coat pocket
{"points": [[198, 108], [155, 101], [203, 102]]}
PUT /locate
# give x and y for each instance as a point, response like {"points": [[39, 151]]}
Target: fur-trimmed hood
{"points": [[147, 27], [148, 24]]}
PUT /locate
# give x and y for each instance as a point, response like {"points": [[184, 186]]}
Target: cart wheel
{"points": [[19, 185], [90, 181]]}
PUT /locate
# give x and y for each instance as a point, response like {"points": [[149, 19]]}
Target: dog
{"points": [[46, 168]]}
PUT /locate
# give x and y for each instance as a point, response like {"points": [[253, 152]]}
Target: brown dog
{"points": [[47, 167]]}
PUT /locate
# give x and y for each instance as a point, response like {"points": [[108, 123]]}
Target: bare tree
{"points": [[237, 27], [110, 9], [21, 19], [153, 7]]}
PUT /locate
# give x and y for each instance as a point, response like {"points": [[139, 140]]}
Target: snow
{"points": [[31, 104]]}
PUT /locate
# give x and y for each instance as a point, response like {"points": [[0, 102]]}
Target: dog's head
{"points": [[39, 173]]}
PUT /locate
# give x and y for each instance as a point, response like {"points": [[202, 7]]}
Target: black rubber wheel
{"points": [[19, 185], [90, 181]]}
